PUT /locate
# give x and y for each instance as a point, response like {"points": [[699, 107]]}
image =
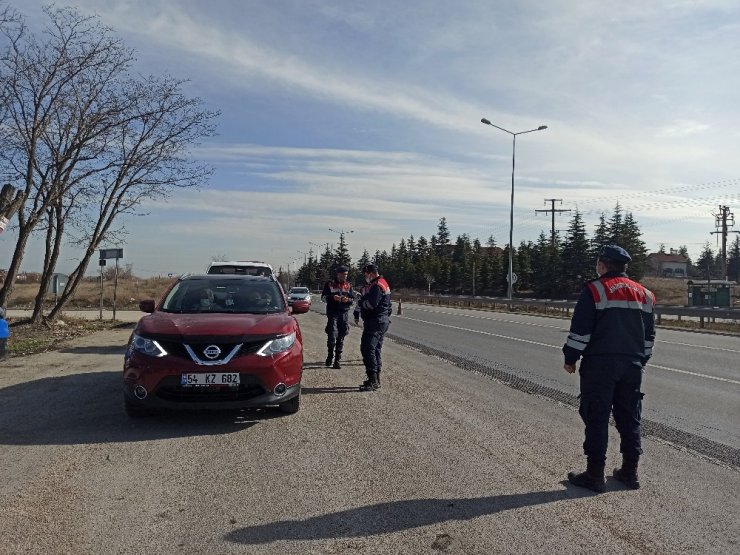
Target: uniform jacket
{"points": [[4, 330], [375, 302], [614, 316], [341, 288]]}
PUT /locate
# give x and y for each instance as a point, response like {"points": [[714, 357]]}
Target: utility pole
{"points": [[552, 202], [722, 220]]}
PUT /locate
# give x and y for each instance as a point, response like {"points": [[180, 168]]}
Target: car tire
{"points": [[291, 406], [134, 410]]}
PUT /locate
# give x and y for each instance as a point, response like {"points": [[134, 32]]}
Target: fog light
{"points": [[280, 389], [140, 392]]}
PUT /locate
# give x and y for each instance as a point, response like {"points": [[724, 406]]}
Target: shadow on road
{"points": [[117, 349], [321, 364], [88, 408], [319, 390], [394, 516]]}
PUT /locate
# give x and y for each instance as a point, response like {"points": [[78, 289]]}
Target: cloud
{"points": [[681, 129]]}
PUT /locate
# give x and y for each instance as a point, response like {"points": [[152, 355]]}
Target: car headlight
{"points": [[277, 345], [147, 346]]}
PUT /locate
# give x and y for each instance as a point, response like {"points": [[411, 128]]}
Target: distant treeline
{"points": [[553, 267]]}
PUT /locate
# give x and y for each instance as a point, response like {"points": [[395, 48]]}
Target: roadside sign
{"points": [[111, 253], [58, 283], [513, 278]]}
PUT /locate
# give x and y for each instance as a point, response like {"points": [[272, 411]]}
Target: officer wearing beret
{"points": [[338, 296], [375, 308], [612, 332]]}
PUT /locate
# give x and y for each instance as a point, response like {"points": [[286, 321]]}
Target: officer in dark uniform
{"points": [[375, 308], [612, 330], [338, 296]]}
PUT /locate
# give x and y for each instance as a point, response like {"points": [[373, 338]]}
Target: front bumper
{"points": [[259, 379], [155, 400]]}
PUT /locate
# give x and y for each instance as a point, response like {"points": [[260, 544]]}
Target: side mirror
{"points": [[147, 305], [300, 307]]}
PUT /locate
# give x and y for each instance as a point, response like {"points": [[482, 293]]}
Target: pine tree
{"points": [[524, 266], [705, 263], [543, 283], [733, 260], [635, 246], [443, 238], [601, 237], [577, 264], [616, 226], [341, 254]]}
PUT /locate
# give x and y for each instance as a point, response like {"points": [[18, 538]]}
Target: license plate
{"points": [[204, 380]]}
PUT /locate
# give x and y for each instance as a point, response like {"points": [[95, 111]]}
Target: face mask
{"points": [[368, 279]]}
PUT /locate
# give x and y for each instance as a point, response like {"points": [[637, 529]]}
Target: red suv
{"points": [[215, 341]]}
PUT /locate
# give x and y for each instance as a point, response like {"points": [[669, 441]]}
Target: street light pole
{"points": [[510, 292]]}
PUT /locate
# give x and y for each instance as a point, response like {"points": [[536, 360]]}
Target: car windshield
{"points": [[245, 296], [299, 290]]}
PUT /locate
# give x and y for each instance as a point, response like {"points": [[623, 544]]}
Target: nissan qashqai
{"points": [[215, 342]]}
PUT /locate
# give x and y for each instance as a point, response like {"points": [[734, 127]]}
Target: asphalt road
{"points": [[692, 383], [438, 460]]}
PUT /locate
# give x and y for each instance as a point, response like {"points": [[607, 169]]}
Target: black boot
{"points": [[329, 358], [336, 361], [592, 479], [371, 383], [628, 473]]}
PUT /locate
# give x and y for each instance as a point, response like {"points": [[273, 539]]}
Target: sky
{"points": [[365, 118]]}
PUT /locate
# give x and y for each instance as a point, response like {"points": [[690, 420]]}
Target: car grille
{"points": [[170, 390], [177, 349]]}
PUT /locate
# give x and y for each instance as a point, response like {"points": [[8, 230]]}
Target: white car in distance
{"points": [[299, 294]]}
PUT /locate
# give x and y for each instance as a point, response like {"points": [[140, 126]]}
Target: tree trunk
{"points": [[15, 264], [54, 236]]}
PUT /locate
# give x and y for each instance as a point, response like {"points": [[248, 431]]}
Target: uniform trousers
{"points": [[611, 384], [337, 327], [371, 343]]}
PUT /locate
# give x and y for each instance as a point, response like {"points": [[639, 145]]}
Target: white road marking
{"points": [[697, 374], [565, 329]]}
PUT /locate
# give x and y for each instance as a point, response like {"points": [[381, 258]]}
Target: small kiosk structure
{"points": [[713, 292]]}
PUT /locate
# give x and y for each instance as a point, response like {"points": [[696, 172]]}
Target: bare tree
{"points": [[85, 140], [149, 154], [430, 279]]}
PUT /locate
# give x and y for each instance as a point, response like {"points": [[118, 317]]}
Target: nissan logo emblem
{"points": [[212, 351]]}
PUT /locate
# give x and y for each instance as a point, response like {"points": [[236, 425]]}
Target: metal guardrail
{"points": [[703, 313]]}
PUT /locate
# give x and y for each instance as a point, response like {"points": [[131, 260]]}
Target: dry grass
{"points": [[29, 339], [128, 294], [668, 291]]}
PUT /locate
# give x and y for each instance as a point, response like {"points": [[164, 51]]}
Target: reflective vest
{"points": [[375, 302], [341, 288], [613, 316]]}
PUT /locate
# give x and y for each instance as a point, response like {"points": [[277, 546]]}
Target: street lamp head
{"points": [[541, 127], [484, 120]]}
